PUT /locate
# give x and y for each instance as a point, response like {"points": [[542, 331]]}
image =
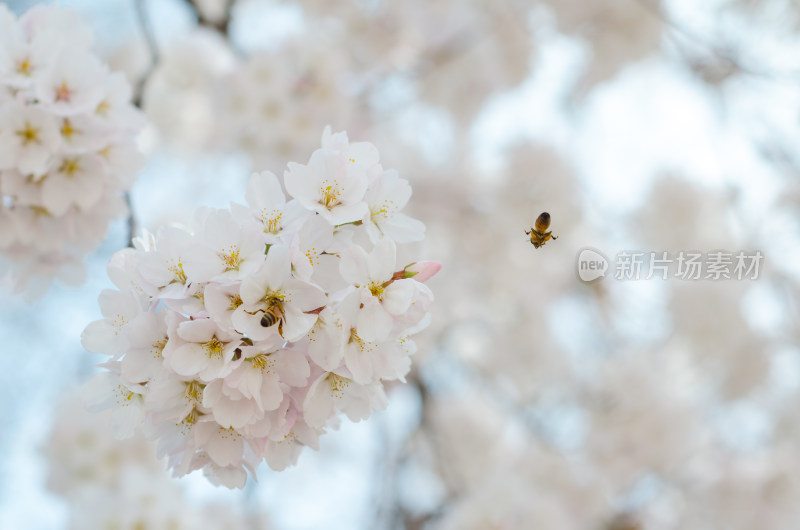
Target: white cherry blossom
{"points": [[67, 146], [245, 335], [330, 185]]}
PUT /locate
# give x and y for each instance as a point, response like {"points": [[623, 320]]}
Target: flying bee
{"points": [[538, 233]]}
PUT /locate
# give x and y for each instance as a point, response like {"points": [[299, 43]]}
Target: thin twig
{"points": [[387, 464], [131, 220], [149, 36], [730, 60], [152, 48], [222, 25]]}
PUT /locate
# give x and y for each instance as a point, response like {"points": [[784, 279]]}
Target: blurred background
{"points": [[536, 400]]}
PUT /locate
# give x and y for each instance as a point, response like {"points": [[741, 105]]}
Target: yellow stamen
{"points": [[231, 258], [235, 301], [177, 270], [24, 67], [330, 195], [362, 344], [214, 348], [157, 348], [194, 392], [103, 108], [311, 254], [67, 130], [376, 289], [338, 384], [264, 363], [385, 210], [29, 134], [40, 211], [69, 166], [271, 221]]}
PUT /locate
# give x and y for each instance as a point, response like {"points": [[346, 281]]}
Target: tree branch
{"points": [[152, 48], [222, 26]]}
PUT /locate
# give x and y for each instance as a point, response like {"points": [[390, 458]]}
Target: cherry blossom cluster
{"points": [[268, 104], [245, 335], [275, 102], [67, 144], [108, 483]]}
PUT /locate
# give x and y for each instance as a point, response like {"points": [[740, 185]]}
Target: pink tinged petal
{"points": [[228, 476], [353, 265], [314, 237], [301, 184], [235, 414], [358, 359], [373, 322], [318, 405], [349, 307], [218, 300], [225, 447], [87, 184], [98, 392], [278, 266], [254, 287], [293, 367], [258, 431], [423, 323], [34, 161], [125, 420], [100, 337], [334, 141], [398, 295], [393, 363], [297, 324], [146, 328], [201, 263], [189, 360], [264, 191], [220, 365], [200, 330], [121, 266], [305, 296], [327, 275], [302, 264], [325, 349], [364, 400], [381, 262], [212, 393], [141, 366], [363, 154], [346, 213], [403, 229], [271, 394], [249, 382], [54, 195], [355, 187], [281, 454], [394, 188], [106, 390], [307, 435]]}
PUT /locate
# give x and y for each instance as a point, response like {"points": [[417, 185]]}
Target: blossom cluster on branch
{"points": [[67, 145], [243, 336], [108, 483]]}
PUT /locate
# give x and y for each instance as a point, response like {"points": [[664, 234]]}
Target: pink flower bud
{"points": [[422, 270]]}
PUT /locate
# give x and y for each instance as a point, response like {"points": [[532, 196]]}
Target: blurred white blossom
{"points": [[67, 149], [109, 483]]}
